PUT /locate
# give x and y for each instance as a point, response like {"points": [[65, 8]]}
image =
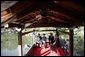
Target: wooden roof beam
{"points": [[58, 19], [77, 15], [44, 30], [28, 17], [54, 24], [24, 13], [15, 25], [70, 5], [21, 5], [61, 15], [15, 9]]}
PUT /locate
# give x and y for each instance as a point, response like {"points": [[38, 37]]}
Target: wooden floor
{"points": [[46, 51]]}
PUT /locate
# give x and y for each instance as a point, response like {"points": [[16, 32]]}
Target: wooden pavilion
{"points": [[32, 14]]}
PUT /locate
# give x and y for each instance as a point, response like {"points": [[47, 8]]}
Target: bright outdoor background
{"points": [[9, 40]]}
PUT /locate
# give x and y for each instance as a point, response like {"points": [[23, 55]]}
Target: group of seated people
{"points": [[51, 39]]}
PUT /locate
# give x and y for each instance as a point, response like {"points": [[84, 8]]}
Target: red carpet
{"points": [[50, 51]]}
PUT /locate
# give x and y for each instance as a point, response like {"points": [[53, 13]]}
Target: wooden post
{"points": [[71, 41], [20, 43], [33, 39]]}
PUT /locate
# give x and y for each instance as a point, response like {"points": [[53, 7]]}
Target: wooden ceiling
{"points": [[7, 4], [45, 14]]}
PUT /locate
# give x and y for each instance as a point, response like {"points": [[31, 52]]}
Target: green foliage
{"points": [[8, 40], [27, 39], [79, 41]]}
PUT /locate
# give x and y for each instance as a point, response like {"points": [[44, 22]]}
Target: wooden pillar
{"points": [[71, 41], [33, 39], [20, 43], [57, 32]]}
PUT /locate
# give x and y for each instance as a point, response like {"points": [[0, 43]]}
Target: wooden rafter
{"points": [[54, 13], [58, 19], [70, 5], [58, 24], [75, 14], [59, 15], [21, 5], [44, 30]]}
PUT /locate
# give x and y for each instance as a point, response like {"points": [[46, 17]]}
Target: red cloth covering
{"points": [[38, 51]]}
